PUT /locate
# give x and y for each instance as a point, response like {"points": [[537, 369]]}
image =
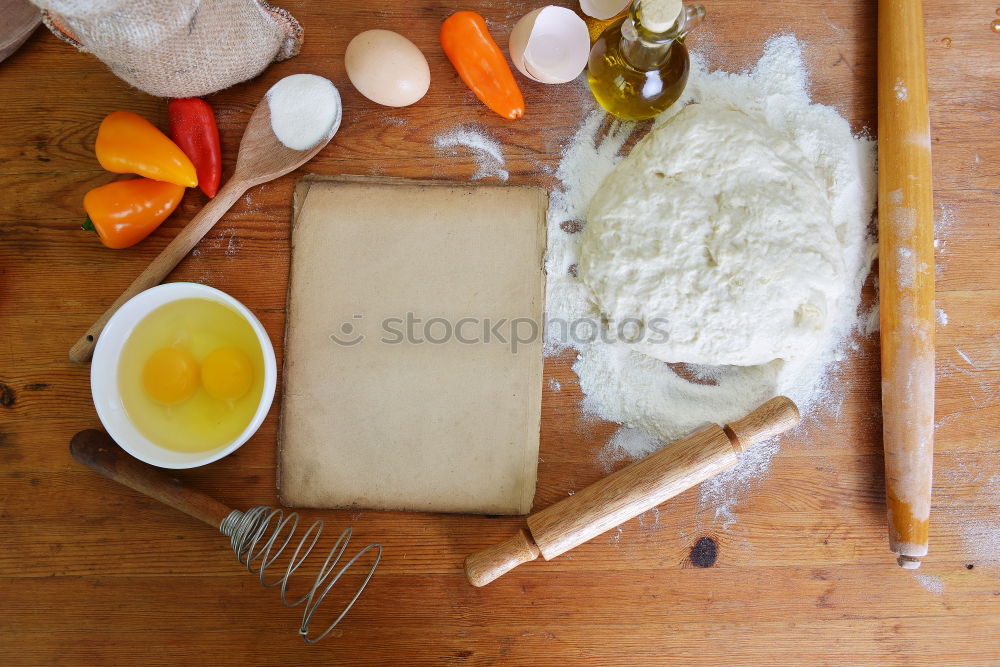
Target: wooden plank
{"points": [[787, 519], [94, 574], [528, 623]]}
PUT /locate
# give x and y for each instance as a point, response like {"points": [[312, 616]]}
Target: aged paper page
{"points": [[413, 351]]}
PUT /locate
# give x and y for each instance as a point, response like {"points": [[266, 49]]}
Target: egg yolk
{"points": [[170, 375], [226, 374]]}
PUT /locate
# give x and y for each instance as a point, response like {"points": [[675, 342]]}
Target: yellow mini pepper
{"points": [[129, 144]]}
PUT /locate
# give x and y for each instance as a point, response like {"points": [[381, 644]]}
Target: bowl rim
{"points": [[104, 375]]}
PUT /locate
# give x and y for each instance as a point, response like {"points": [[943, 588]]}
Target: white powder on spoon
{"points": [[305, 110], [642, 393]]}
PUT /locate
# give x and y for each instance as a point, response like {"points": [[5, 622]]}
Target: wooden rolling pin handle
{"points": [[484, 566], [154, 274], [772, 418], [96, 450]]}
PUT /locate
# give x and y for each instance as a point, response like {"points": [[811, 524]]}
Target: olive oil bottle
{"points": [[636, 70]]}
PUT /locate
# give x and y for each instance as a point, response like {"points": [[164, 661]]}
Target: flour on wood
{"points": [[930, 583], [665, 402], [486, 151]]}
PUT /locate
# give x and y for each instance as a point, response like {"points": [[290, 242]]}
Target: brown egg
{"points": [[387, 68]]}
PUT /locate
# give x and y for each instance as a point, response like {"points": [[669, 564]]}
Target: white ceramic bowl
{"points": [[104, 375]]}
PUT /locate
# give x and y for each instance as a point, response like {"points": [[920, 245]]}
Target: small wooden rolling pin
{"points": [[906, 276], [632, 491]]}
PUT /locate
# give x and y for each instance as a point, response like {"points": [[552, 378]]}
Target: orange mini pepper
{"points": [[481, 64], [125, 212], [127, 143]]}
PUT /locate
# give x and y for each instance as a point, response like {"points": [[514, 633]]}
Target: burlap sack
{"points": [[177, 48]]}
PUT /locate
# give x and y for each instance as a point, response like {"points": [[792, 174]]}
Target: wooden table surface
{"points": [[92, 573]]}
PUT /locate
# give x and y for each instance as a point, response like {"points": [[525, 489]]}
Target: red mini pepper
{"points": [[192, 127]]}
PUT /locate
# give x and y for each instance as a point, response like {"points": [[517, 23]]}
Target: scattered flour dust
{"points": [[900, 89], [624, 441], [653, 403], [485, 149], [975, 521], [930, 582]]}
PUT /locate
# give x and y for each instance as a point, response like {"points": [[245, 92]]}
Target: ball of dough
{"points": [[715, 234]]}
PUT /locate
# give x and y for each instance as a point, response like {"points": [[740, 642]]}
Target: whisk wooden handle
{"points": [[632, 491], [96, 450]]}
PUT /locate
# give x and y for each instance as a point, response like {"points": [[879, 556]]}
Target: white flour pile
{"points": [[305, 109], [486, 151], [652, 402]]}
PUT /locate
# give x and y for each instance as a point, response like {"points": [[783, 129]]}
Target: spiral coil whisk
{"points": [[261, 534]]}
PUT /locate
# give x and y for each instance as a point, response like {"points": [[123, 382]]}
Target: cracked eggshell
{"points": [[602, 10], [550, 45]]}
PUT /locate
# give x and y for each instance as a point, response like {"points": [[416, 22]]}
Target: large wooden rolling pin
{"points": [[632, 491], [906, 276]]}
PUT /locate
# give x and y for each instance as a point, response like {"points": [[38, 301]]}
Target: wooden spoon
{"points": [[262, 158], [20, 18]]}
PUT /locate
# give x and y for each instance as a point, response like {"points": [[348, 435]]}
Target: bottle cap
{"points": [[659, 15]]}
